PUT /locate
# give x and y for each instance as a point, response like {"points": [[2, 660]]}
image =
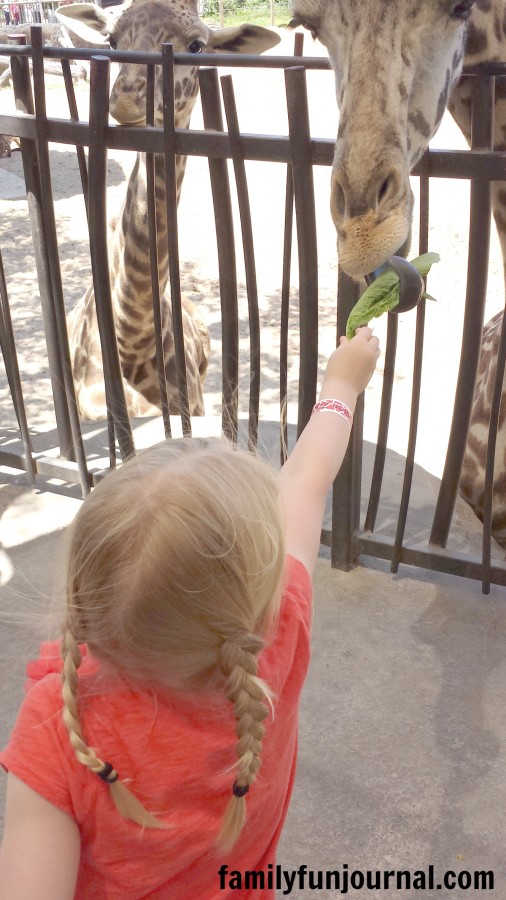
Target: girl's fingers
{"points": [[364, 333]]}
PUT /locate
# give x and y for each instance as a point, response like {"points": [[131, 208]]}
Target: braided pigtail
{"points": [[127, 805], [249, 695]]}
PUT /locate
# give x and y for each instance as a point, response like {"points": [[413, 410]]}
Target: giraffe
{"points": [[145, 25], [397, 65], [472, 482]]}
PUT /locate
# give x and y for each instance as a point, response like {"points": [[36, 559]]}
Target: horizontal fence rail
{"points": [[298, 152]]}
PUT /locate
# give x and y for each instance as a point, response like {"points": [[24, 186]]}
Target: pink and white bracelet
{"points": [[335, 406]]}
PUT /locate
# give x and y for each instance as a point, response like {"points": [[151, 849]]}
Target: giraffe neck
{"points": [[131, 285], [486, 33], [486, 42]]}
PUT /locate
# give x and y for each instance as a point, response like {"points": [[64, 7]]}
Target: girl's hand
{"points": [[354, 361], [307, 476]]}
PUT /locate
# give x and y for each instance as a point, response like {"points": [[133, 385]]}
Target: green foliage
{"points": [[383, 294], [258, 12]]}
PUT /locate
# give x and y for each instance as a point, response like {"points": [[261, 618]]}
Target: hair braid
{"points": [[126, 803], [174, 566], [249, 696], [72, 659]]}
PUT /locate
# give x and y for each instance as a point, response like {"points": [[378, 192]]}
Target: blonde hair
{"points": [[173, 577]]}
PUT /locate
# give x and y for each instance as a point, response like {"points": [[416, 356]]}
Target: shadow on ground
{"points": [[402, 755]]}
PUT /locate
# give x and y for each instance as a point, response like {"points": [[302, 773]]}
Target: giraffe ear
{"points": [[89, 22], [252, 39]]}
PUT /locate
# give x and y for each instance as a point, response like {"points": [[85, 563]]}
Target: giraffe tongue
{"points": [[411, 286]]}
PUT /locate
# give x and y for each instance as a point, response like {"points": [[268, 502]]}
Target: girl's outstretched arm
{"points": [[39, 856], [311, 468]]}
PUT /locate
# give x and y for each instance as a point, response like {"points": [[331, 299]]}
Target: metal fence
{"points": [[298, 153], [27, 12], [262, 12], [225, 12]]}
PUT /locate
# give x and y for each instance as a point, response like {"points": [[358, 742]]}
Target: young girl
{"points": [[163, 755]]}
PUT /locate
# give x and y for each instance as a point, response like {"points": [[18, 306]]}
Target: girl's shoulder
{"points": [[297, 579], [50, 662], [297, 595], [285, 659]]}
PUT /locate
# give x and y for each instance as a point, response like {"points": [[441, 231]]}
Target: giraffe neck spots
{"points": [[130, 247]]}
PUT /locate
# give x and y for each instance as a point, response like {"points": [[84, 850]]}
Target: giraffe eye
{"points": [[196, 46], [462, 10]]}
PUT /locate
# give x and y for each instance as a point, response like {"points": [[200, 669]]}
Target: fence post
{"points": [[119, 423], [305, 215], [479, 245], [347, 486], [220, 186]]}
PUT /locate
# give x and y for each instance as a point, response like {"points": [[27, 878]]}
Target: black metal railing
{"points": [[300, 152]]}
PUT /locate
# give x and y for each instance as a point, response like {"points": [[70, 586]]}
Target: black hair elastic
{"points": [[107, 773], [239, 790]]}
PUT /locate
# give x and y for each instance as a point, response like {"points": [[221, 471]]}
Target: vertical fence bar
{"points": [[153, 255], [249, 256], [285, 315], [169, 129], [31, 169], [71, 445], [479, 239], [384, 422], [220, 187], [417, 380], [74, 115], [117, 413], [8, 348], [298, 47], [300, 143], [347, 486]]}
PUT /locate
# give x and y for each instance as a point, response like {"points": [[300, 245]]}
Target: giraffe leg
{"points": [[472, 482], [92, 404]]}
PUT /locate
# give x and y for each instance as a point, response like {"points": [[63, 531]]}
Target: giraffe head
{"points": [[147, 24], [395, 64]]}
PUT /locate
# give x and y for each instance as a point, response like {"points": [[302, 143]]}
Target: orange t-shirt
{"points": [[174, 754]]}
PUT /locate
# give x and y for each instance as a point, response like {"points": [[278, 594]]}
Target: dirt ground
{"points": [[262, 109]]}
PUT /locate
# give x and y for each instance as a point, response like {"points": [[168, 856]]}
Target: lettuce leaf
{"points": [[383, 294]]}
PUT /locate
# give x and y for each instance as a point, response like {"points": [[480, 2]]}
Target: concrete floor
{"points": [[403, 729], [402, 761]]}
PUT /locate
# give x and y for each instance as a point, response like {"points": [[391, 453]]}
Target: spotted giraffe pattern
{"points": [[472, 483], [397, 65], [146, 25], [486, 42]]}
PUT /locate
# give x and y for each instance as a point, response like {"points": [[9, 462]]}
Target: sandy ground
{"points": [[262, 109]]}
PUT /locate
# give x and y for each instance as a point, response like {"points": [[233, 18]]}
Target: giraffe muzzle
{"points": [[373, 220]]}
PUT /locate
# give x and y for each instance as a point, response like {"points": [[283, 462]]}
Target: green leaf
{"points": [[383, 294], [424, 263]]}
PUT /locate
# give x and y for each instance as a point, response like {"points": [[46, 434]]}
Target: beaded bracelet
{"points": [[334, 406]]}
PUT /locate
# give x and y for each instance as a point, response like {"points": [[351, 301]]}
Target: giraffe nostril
{"points": [[384, 189], [389, 189], [339, 200]]}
